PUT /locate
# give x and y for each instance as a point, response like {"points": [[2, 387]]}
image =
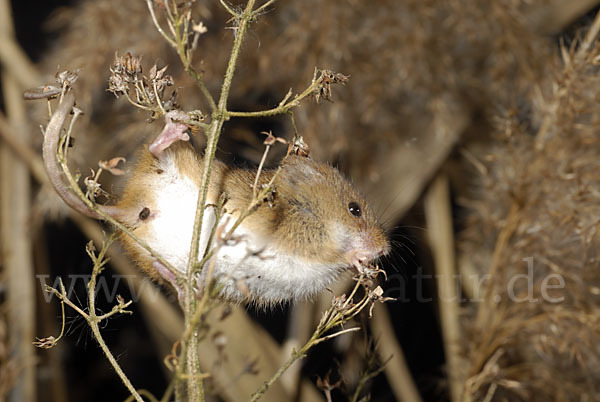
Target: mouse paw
{"points": [[174, 131], [169, 277]]}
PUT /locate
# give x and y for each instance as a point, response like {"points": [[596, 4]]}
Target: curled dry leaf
{"points": [[111, 165], [376, 295], [271, 139]]}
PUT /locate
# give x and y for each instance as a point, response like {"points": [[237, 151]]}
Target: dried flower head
{"points": [[149, 92], [324, 82], [299, 147], [66, 79]]}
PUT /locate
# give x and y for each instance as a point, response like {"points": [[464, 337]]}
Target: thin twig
{"points": [[229, 9], [337, 315], [260, 166], [590, 37], [284, 106], [157, 25], [264, 6]]}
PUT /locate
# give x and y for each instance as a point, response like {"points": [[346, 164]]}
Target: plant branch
{"points": [[341, 311], [195, 389], [157, 25], [92, 319], [229, 9], [263, 7]]}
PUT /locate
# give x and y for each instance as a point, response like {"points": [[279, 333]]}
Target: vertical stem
{"points": [[194, 385], [441, 239], [15, 226]]}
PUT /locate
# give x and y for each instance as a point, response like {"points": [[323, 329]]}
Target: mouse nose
{"points": [[362, 258]]}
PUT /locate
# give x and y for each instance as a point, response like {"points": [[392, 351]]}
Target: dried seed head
{"points": [[67, 78], [299, 147], [324, 82]]}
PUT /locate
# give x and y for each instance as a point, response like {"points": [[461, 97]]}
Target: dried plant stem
{"points": [[147, 394], [500, 247], [179, 42], [157, 25], [15, 204], [589, 39], [264, 6], [27, 155], [396, 369], [368, 376], [92, 319], [228, 8], [260, 166], [214, 132], [440, 231], [12, 57]]}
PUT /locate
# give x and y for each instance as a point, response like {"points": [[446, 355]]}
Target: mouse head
{"points": [[322, 217]]}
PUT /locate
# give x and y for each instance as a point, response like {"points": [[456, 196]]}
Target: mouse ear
{"points": [[298, 147]]}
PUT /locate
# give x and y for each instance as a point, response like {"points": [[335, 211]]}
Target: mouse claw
{"points": [[174, 131]]}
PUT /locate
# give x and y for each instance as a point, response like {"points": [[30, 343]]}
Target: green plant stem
{"points": [[200, 83], [229, 10], [331, 318], [264, 6], [93, 321], [296, 355], [284, 106], [194, 386]]}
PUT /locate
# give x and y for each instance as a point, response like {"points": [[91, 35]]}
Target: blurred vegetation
{"points": [[471, 125]]}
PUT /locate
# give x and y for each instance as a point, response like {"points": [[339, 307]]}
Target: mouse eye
{"points": [[144, 214], [354, 209]]}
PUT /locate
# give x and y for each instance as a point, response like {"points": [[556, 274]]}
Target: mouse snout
{"points": [[365, 249]]}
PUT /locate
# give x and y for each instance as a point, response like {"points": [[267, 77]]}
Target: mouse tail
{"points": [[51, 139]]}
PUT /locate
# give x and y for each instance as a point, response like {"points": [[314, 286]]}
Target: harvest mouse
{"points": [[316, 226]]}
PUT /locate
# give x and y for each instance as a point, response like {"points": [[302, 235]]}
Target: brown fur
{"points": [[310, 198]]}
